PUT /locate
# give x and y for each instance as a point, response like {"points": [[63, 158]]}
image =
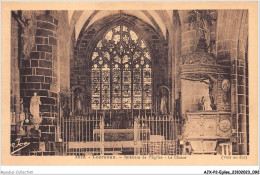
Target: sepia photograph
{"points": [[124, 83]]}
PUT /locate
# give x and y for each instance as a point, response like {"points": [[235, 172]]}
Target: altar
{"points": [[121, 141], [148, 136], [117, 135]]}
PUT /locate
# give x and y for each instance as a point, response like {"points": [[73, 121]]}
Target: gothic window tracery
{"points": [[121, 71]]}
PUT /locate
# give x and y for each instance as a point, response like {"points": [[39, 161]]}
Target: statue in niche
{"points": [[34, 110], [79, 104], [78, 101], [22, 117], [163, 102], [201, 104]]}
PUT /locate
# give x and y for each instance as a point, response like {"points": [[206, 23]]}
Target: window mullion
{"points": [[100, 69], [132, 80], [121, 67], [142, 85], [111, 82]]}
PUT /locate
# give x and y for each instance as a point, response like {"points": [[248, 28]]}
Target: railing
{"points": [[163, 135], [79, 130], [150, 135]]}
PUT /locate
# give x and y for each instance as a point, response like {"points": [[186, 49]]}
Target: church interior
{"points": [[129, 82]]}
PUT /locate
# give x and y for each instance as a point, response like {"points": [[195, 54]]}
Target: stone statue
{"points": [[34, 110], [27, 22], [213, 91], [163, 105], [202, 19], [78, 104]]}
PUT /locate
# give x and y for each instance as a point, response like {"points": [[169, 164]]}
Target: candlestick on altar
{"points": [[110, 118], [132, 117]]}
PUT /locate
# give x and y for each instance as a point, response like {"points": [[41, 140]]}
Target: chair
{"points": [[156, 145], [226, 148]]}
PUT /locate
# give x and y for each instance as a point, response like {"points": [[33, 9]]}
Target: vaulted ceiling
{"points": [[159, 20]]}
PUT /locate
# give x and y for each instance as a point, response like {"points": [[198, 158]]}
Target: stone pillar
{"points": [[247, 100], [38, 75], [15, 75], [242, 103], [188, 35], [176, 57], [243, 84], [239, 82], [231, 48]]}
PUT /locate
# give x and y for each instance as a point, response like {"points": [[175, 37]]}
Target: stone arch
{"points": [[74, 19], [227, 36], [110, 21], [243, 33], [90, 36], [150, 17]]}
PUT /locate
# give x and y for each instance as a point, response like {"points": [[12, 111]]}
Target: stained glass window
{"points": [[121, 71], [105, 71], [116, 93]]}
